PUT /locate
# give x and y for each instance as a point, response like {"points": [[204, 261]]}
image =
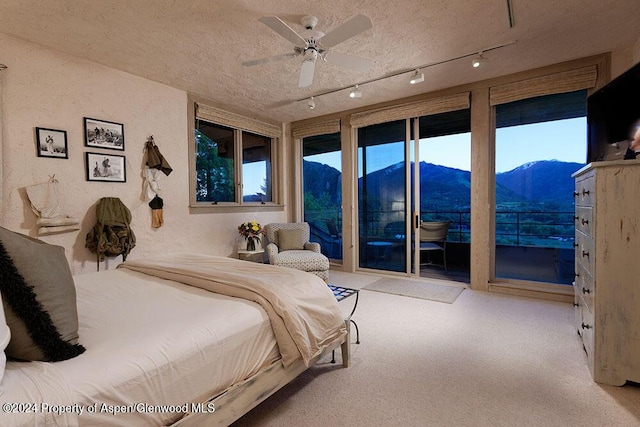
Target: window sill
{"points": [[553, 292], [203, 208]]}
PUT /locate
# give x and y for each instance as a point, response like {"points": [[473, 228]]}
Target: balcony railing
{"points": [[513, 228]]}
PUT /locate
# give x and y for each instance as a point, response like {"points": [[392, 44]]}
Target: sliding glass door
{"points": [[382, 196], [395, 197], [322, 191]]}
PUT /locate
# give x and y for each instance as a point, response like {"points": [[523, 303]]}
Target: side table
{"points": [[255, 256], [341, 293]]}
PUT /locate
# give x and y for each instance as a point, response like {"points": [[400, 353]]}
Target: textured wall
{"points": [[622, 60], [45, 88]]}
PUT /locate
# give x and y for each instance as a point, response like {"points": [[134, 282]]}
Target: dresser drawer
{"points": [[585, 191], [585, 253], [584, 219], [577, 310], [586, 326], [584, 287]]}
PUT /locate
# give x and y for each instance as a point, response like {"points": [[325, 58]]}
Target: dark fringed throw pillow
{"points": [[39, 299]]}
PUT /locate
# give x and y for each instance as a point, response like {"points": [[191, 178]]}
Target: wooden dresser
{"points": [[607, 281]]}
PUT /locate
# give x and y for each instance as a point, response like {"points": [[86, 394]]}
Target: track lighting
{"points": [[355, 93], [478, 61], [417, 78]]}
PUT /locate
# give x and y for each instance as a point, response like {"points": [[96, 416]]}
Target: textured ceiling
{"points": [[198, 46]]}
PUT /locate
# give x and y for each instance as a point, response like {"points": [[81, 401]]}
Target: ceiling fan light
{"points": [[355, 93], [417, 78], [312, 104]]}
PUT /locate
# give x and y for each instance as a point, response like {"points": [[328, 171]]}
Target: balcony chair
{"points": [[288, 246], [334, 233], [433, 237]]}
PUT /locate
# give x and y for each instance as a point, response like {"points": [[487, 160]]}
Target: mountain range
{"points": [[533, 186]]}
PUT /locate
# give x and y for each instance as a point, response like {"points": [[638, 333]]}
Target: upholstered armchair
{"points": [[288, 246]]}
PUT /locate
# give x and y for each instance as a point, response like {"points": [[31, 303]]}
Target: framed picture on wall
{"points": [[106, 167], [51, 143], [103, 134]]}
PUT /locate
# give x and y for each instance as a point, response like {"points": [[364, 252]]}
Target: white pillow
{"points": [[5, 336]]}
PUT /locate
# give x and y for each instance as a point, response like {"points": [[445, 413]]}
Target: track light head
{"points": [[417, 78], [311, 104], [355, 93], [478, 61]]}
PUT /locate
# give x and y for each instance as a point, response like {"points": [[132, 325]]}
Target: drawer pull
{"points": [[575, 245], [585, 326], [586, 291], [576, 217], [585, 253], [576, 274], [575, 304], [584, 221], [584, 192], [576, 194]]}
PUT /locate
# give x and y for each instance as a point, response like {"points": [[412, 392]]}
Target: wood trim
{"points": [[482, 189], [534, 290]]}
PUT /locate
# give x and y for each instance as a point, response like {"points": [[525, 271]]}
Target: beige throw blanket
{"points": [[303, 311]]}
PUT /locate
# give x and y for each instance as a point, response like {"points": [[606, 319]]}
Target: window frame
{"points": [[238, 124]]}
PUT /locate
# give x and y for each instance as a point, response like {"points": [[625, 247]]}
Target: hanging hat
{"points": [[155, 159]]}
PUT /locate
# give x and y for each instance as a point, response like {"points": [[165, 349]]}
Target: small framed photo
{"points": [[103, 134], [106, 167], [51, 143]]}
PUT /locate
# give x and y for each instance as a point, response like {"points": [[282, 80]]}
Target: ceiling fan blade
{"points": [[348, 61], [280, 27], [269, 59], [352, 27], [306, 73]]}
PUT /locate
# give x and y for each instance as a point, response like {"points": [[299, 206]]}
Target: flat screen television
{"points": [[612, 113]]}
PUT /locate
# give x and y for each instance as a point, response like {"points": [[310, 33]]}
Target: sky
{"points": [[564, 140]]}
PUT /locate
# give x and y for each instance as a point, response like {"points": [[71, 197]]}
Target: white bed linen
{"points": [[149, 341]]}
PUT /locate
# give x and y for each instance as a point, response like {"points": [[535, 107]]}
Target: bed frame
{"points": [[241, 397]]}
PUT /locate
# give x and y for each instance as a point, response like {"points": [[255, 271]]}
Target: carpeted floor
{"points": [[486, 360], [416, 289]]}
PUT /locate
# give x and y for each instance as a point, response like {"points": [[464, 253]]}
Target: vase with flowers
{"points": [[251, 231]]}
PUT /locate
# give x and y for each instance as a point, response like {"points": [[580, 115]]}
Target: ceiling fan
{"points": [[313, 44]]}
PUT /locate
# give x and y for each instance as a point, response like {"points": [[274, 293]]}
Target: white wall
{"points": [[45, 88], [622, 60]]}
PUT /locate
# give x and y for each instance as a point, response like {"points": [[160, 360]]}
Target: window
{"points": [[540, 142], [256, 168], [322, 191], [228, 158], [215, 149]]}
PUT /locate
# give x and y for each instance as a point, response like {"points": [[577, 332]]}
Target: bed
{"points": [[178, 339]]}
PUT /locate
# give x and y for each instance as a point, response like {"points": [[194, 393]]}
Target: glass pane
{"points": [[539, 144], [382, 207], [322, 189], [445, 190], [256, 168], [215, 179]]}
